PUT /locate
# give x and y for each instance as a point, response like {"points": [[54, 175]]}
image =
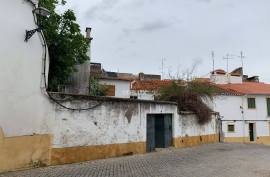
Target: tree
{"points": [[67, 46]]}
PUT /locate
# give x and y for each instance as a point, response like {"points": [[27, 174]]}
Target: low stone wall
{"points": [[112, 127], [115, 127], [191, 133]]}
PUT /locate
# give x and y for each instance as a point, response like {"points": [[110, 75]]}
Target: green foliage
{"points": [[96, 89], [202, 89], [67, 46], [190, 96]]}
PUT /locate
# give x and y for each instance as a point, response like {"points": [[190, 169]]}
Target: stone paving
{"points": [[213, 160]]}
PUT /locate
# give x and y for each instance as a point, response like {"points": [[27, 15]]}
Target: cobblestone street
{"points": [[214, 160]]}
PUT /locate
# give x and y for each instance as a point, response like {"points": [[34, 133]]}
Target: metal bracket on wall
{"points": [[30, 33]]}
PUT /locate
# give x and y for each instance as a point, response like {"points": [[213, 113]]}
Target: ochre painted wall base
{"points": [[189, 141], [263, 140], [236, 139], [259, 140], [24, 152], [86, 153]]}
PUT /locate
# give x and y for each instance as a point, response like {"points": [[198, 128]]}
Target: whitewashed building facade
{"points": [[244, 109]]}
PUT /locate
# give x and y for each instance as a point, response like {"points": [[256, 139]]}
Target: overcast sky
{"points": [[134, 35]]}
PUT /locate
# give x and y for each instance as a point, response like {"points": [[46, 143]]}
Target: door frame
{"points": [[152, 116], [253, 131]]}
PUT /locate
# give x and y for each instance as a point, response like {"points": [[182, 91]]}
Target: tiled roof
{"points": [[150, 85], [203, 80], [255, 88]]}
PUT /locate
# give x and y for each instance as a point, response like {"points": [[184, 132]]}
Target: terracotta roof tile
{"points": [[150, 85], [255, 88]]}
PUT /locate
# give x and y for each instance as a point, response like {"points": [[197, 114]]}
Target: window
{"points": [[268, 106], [251, 103], [230, 128]]}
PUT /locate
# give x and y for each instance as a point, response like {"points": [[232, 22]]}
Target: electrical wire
{"points": [[45, 46]]}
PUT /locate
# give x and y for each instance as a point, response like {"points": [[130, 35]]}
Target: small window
{"points": [[230, 128], [251, 103]]}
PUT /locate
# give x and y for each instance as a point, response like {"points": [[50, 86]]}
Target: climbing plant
{"points": [[67, 46], [96, 89], [190, 96]]}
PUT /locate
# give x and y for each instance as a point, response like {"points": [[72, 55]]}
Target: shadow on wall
{"points": [[24, 151]]}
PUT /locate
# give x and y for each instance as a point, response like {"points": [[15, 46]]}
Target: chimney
{"points": [[88, 33], [141, 76]]}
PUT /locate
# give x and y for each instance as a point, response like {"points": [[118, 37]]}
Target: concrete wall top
{"points": [[69, 97]]}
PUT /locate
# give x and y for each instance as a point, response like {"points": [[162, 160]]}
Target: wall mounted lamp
{"points": [[41, 11]]}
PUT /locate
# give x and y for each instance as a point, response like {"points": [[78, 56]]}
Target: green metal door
{"points": [[167, 130], [159, 131], [251, 132]]}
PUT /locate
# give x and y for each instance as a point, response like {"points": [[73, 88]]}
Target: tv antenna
{"points": [[228, 57], [213, 59], [162, 67], [242, 56]]}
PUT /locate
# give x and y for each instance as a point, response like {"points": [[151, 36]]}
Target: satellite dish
{"points": [[42, 11]]}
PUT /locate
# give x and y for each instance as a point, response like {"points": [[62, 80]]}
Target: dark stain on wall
{"points": [[129, 112]]}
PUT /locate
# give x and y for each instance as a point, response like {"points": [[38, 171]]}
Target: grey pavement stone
{"points": [[212, 160]]}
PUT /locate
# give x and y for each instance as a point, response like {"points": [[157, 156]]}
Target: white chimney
{"points": [[88, 36], [88, 33]]}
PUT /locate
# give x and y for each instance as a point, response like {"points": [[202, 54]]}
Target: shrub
{"points": [[190, 96]]}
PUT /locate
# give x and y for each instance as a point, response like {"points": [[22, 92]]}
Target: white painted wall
{"points": [[143, 95], [122, 88], [106, 124], [187, 125], [22, 102], [225, 79]]}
